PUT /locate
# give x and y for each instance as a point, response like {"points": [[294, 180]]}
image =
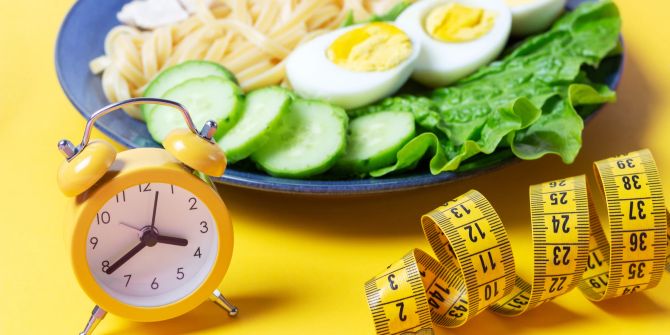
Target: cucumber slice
{"points": [[309, 141], [209, 98], [178, 74], [373, 141], [263, 110]]}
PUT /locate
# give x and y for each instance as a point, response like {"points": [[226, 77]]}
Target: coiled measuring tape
{"points": [[474, 269]]}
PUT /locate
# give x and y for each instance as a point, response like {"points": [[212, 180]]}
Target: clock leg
{"points": [[96, 316], [220, 300]]}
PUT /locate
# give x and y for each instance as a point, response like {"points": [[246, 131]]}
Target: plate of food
{"points": [[348, 97]]}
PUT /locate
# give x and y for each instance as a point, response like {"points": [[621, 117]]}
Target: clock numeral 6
{"points": [[204, 229], [180, 273], [154, 284]]}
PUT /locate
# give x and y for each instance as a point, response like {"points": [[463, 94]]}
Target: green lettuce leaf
{"points": [[559, 130], [413, 151], [526, 101]]}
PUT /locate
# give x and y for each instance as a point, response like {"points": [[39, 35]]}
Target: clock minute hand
{"points": [[125, 258], [172, 240], [153, 216]]}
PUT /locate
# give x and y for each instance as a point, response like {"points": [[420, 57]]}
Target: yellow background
{"points": [[300, 263]]}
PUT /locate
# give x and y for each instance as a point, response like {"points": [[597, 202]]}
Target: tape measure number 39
{"points": [[474, 269]]}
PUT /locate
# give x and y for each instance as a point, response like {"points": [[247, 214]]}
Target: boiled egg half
{"points": [[353, 66], [533, 16], [457, 36]]}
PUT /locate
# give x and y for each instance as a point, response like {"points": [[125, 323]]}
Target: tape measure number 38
{"points": [[474, 269]]}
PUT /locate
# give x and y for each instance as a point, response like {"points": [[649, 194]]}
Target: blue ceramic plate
{"points": [[81, 39]]}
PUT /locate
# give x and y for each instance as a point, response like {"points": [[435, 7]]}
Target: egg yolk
{"points": [[454, 22], [373, 47]]}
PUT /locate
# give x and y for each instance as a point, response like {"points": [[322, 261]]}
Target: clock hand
{"points": [[153, 216], [125, 258], [172, 240], [130, 226]]}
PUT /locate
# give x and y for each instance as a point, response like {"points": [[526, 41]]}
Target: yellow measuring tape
{"points": [[474, 269]]}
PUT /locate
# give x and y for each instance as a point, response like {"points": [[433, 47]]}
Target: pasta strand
{"points": [[252, 38]]}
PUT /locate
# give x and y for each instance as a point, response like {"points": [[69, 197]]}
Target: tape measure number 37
{"points": [[475, 270]]}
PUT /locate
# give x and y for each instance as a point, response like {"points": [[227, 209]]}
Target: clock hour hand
{"points": [[125, 258], [172, 240]]}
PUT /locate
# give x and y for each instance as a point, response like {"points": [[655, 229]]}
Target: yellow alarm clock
{"points": [[150, 237]]}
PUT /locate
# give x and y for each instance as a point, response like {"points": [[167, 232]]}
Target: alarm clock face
{"points": [[152, 244]]}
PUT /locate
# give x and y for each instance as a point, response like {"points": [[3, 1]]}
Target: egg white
{"points": [[312, 75], [535, 16], [441, 63]]}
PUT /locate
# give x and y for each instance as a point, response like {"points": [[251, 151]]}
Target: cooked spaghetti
{"points": [[249, 37]]}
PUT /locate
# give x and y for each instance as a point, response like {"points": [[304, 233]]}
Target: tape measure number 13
{"points": [[475, 268]]}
